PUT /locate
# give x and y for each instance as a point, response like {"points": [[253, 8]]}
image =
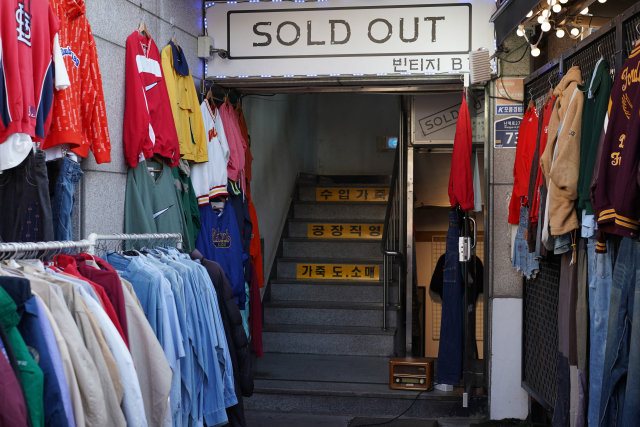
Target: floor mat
{"points": [[384, 422]]}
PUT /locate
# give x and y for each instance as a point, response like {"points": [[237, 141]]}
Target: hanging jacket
{"points": [[80, 113], [561, 170], [460, 178], [30, 58], [236, 141], [255, 247], [210, 178], [184, 188], [12, 381], [255, 315], [596, 101], [525, 148], [184, 105], [148, 120]]}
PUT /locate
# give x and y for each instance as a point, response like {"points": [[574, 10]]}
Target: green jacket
{"points": [[30, 372], [596, 102], [189, 204]]}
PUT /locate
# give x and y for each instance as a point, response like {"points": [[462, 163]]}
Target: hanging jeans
{"points": [[599, 273], [64, 198], [450, 351], [620, 384], [26, 208], [523, 261]]}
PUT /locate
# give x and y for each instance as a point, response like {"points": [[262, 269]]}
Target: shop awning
{"points": [[510, 14]]}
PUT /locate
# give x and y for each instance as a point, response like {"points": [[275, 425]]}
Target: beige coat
{"points": [[562, 169]]}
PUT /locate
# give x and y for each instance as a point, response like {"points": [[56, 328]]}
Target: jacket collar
{"points": [[572, 76], [74, 8], [179, 61]]}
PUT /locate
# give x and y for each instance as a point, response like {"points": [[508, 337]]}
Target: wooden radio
{"points": [[410, 374]]}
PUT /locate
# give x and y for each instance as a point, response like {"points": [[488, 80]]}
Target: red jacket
{"points": [[148, 120], [79, 113], [525, 149], [534, 211], [460, 178]]}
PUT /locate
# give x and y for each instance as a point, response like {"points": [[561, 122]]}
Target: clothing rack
{"points": [[89, 244]]}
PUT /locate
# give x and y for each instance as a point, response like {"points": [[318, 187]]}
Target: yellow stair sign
{"points": [[352, 194], [338, 272], [344, 231]]}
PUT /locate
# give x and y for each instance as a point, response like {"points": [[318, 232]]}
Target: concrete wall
{"points": [[102, 190], [348, 125], [283, 144], [506, 397]]}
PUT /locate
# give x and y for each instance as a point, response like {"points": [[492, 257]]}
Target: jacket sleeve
{"points": [[136, 114], [170, 81], [552, 134], [197, 129], [566, 168], [97, 118]]}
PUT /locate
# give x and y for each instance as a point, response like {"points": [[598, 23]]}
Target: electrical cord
{"points": [[407, 410], [528, 46]]}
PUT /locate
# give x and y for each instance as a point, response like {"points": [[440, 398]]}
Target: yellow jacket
{"points": [[184, 104]]}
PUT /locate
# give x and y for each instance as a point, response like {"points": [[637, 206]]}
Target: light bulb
{"points": [[557, 8], [530, 14], [546, 13], [520, 31], [584, 11], [541, 19], [602, 1], [551, 2], [560, 33], [535, 52], [563, 1], [546, 26], [575, 32]]}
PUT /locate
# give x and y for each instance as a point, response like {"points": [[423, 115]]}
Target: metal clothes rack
{"points": [[88, 244]]}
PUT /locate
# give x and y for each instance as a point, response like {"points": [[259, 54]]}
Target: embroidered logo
{"points": [[221, 240], [622, 138], [66, 51], [157, 214], [34, 354], [212, 134], [23, 18], [616, 159]]}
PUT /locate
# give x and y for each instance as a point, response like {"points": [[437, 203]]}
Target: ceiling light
{"points": [[546, 13], [563, 1], [602, 1], [535, 51], [584, 11], [530, 14], [575, 32], [546, 26], [557, 8], [560, 33], [520, 31], [541, 19]]}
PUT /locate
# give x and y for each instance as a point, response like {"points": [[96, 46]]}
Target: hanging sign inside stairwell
{"points": [[505, 132], [338, 272]]}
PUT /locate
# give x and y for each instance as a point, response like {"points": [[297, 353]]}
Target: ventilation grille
{"points": [[480, 66]]}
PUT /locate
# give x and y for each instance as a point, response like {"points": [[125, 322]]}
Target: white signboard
{"points": [[353, 37]]}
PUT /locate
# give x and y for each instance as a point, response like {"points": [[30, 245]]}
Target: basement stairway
{"points": [[325, 350]]}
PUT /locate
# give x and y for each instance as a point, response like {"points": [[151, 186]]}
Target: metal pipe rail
{"points": [[93, 238]]}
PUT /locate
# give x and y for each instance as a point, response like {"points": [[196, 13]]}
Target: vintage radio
{"points": [[410, 374]]}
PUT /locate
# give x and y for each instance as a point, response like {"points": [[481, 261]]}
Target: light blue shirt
{"points": [[56, 361]]}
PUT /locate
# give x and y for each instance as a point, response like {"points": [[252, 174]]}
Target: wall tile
{"points": [[503, 160], [506, 281], [103, 202], [186, 15]]}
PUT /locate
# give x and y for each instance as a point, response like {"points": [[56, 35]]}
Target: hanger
{"points": [[173, 38], [637, 31], [142, 28]]}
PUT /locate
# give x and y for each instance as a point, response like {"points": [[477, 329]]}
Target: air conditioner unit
{"points": [[480, 66]]}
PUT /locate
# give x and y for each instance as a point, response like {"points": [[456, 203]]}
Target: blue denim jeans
{"points": [[64, 198], [450, 351], [523, 261], [621, 384], [599, 272], [562, 244]]}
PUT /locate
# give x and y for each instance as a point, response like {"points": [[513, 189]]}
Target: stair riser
{"points": [[337, 344], [320, 292], [365, 406], [335, 249], [333, 317], [345, 211], [289, 270]]}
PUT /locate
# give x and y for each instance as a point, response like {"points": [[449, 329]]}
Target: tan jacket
{"points": [[152, 368], [561, 171]]}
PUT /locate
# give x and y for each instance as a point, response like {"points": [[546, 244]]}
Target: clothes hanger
{"points": [[142, 28], [637, 31], [173, 38]]}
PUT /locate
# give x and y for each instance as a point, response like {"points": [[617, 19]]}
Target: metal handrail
{"points": [[391, 252]]}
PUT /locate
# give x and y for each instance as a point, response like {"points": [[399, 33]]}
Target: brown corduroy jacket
{"points": [[562, 171]]}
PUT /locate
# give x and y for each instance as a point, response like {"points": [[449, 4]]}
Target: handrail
{"points": [[387, 217]]}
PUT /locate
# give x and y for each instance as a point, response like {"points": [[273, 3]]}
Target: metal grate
{"points": [[540, 346], [630, 35], [537, 89], [587, 58]]}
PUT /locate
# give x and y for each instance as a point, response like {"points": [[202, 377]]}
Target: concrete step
{"points": [[327, 313], [288, 267], [325, 290], [360, 192], [335, 248], [328, 339], [355, 385], [340, 211], [300, 227]]}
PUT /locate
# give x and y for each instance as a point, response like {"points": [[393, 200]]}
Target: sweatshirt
{"points": [[561, 171]]}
